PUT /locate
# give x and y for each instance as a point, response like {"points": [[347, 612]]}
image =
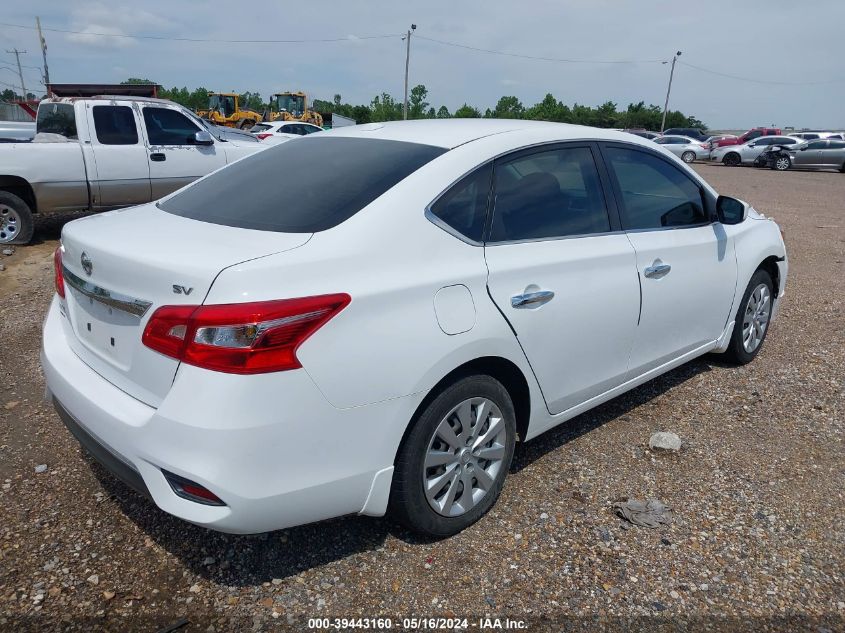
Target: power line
{"points": [[761, 81], [348, 38], [539, 58]]}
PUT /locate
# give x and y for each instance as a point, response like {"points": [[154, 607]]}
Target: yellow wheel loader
{"points": [[224, 109], [293, 106]]}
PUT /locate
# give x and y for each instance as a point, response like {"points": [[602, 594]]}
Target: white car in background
{"points": [[686, 148], [747, 153], [280, 131], [260, 350]]}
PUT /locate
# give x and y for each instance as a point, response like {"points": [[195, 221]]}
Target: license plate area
{"points": [[107, 331]]}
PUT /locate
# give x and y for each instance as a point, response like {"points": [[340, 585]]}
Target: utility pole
{"points": [[43, 53], [20, 70], [407, 39], [666, 104]]}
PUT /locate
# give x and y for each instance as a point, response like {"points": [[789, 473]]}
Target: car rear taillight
{"points": [[58, 275], [263, 135], [240, 338]]}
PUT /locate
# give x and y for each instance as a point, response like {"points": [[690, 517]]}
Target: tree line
{"points": [[385, 107]]}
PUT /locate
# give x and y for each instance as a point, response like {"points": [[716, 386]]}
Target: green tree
{"points": [[443, 113], [417, 103], [385, 108], [509, 108], [467, 112]]}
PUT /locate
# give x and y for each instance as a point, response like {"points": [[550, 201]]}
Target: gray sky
{"points": [[766, 40]]}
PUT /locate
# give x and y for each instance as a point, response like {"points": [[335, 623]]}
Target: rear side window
{"points": [[311, 185], [56, 118], [259, 127], [464, 207], [115, 125], [836, 145], [168, 127], [555, 193], [817, 145], [655, 194]]}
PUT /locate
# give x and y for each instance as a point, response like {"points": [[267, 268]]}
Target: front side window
{"points": [[56, 118], [311, 185], [548, 194], [464, 206], [168, 127], [836, 145], [817, 145], [115, 125], [655, 194]]}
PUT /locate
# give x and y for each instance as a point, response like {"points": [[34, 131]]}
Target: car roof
{"points": [[450, 133]]}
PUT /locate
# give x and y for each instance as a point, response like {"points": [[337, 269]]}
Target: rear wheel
{"points": [[688, 157], [16, 224], [452, 464], [752, 319], [732, 159], [782, 163]]}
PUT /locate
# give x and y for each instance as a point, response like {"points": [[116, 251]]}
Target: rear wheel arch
{"points": [[21, 188], [501, 369]]}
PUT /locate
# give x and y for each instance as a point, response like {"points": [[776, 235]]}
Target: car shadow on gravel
{"points": [[528, 452], [241, 561]]}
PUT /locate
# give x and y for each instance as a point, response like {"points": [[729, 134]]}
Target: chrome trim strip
{"points": [[124, 303]]}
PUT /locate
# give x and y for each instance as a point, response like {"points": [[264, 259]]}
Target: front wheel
{"points": [[688, 157], [752, 319], [732, 159], [16, 223], [452, 464], [782, 163]]}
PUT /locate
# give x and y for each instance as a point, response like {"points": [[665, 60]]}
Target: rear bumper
{"points": [[270, 446]]}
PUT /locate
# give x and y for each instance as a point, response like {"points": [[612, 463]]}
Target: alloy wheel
{"points": [[782, 164], [464, 457], [756, 317], [688, 157], [9, 223]]}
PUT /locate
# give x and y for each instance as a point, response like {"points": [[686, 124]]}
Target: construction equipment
{"points": [[224, 109], [293, 106]]}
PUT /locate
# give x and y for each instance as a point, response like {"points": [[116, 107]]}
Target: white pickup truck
{"points": [[107, 152]]}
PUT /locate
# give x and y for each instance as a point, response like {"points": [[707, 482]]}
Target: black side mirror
{"points": [[730, 210]]}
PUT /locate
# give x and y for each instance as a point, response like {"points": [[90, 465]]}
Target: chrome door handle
{"points": [[532, 299], [657, 271]]}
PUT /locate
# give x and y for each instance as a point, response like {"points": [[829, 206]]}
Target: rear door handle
{"points": [[532, 299], [657, 271], [158, 157]]}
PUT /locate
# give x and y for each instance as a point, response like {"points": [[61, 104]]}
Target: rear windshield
{"points": [[56, 118], [302, 186]]}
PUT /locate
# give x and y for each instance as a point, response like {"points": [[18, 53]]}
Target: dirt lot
{"points": [[758, 540]]}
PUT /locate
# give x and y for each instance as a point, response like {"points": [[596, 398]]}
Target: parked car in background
{"points": [[102, 153], [818, 154], [684, 147], [280, 131], [690, 132], [718, 137], [260, 350], [643, 133], [747, 153], [750, 135], [16, 131], [814, 135]]}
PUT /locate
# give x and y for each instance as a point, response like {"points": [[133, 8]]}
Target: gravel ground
{"points": [[757, 541]]}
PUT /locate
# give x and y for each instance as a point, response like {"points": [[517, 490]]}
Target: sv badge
{"points": [[182, 290]]}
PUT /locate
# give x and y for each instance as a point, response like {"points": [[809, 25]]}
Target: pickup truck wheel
{"points": [[16, 225]]}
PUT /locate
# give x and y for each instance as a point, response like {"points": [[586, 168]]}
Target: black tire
{"points": [[842, 169], [16, 223], [688, 157], [732, 159], [781, 163], [408, 502], [736, 351]]}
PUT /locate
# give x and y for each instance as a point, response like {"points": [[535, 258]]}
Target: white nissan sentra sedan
{"points": [[367, 320]]}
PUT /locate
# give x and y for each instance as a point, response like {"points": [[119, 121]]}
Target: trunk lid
{"points": [[123, 265]]}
